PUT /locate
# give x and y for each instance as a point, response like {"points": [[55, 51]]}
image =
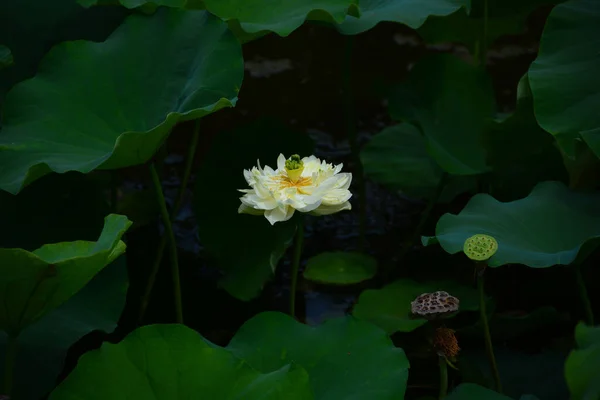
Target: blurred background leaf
{"points": [[451, 101]]}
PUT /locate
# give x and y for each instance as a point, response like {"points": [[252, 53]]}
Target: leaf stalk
{"points": [[169, 236], [296, 265], [443, 376], [489, 349]]}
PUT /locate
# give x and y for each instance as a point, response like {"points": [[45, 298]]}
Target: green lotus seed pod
{"points": [[294, 167], [480, 247]]}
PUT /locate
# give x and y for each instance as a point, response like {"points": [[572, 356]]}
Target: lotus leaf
{"points": [[112, 104], [551, 226], [173, 362], [564, 79], [344, 357]]}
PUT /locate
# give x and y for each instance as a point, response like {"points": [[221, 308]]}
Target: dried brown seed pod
{"points": [[433, 305], [445, 343]]}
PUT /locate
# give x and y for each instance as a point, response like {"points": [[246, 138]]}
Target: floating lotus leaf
{"points": [[340, 268]]}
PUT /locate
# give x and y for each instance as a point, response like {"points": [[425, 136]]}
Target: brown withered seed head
{"points": [[445, 343]]}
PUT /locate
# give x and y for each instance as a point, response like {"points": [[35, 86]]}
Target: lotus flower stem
{"points": [[164, 239], [9, 364], [486, 331], [349, 113], [443, 376], [187, 170], [296, 265], [585, 299], [173, 245]]}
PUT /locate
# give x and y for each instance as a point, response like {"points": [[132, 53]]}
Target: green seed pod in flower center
{"points": [[294, 167], [480, 247]]}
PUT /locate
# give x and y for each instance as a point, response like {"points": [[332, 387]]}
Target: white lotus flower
{"points": [[307, 185]]}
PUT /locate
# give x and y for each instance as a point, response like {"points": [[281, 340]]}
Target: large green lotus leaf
{"points": [[345, 357], [43, 345], [173, 362], [505, 17], [451, 101], [390, 309], [583, 364], [397, 157], [521, 153], [279, 16], [34, 283], [30, 28], [564, 78], [340, 268], [408, 12], [247, 247], [471, 391], [548, 227], [112, 104]]}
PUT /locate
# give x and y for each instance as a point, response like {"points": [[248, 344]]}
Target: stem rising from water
{"points": [[164, 239], [443, 376], [296, 265], [171, 240], [489, 349]]}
